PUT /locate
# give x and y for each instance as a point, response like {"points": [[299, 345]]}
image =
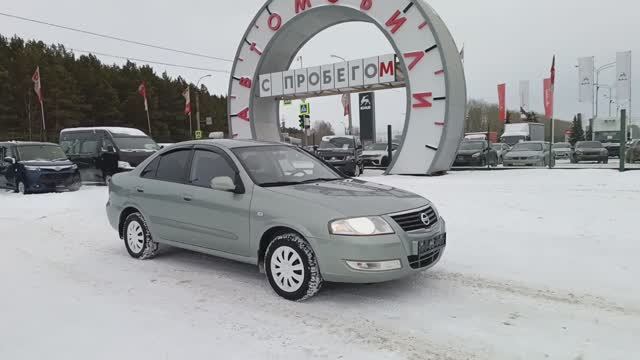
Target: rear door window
{"points": [[173, 166]]}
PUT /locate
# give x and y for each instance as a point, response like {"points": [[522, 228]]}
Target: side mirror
{"points": [[223, 183], [10, 160]]}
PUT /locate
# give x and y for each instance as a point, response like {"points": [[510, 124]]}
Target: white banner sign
{"points": [[351, 74], [623, 76], [525, 86], [585, 79]]}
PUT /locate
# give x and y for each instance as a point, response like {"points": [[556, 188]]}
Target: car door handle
{"points": [[139, 189], [187, 197]]}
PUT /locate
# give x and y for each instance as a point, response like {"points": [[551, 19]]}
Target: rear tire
{"points": [[292, 268], [137, 238]]}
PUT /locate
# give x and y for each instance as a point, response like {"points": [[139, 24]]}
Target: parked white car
{"points": [[377, 154]]}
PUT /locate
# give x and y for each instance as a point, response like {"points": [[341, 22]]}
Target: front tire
{"points": [[356, 171], [137, 238], [292, 268], [21, 188]]}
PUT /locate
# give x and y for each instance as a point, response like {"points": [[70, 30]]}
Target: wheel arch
{"points": [[123, 216], [266, 238]]}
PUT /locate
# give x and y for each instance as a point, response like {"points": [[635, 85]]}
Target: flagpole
{"points": [[148, 119], [190, 127], [44, 124]]}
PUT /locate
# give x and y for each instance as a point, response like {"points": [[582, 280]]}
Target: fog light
{"points": [[375, 265]]}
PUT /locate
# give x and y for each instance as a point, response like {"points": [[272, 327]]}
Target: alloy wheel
{"points": [[287, 269]]}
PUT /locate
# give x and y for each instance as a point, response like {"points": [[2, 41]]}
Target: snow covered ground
{"points": [[540, 265]]}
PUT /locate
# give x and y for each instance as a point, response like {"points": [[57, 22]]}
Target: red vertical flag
{"points": [[548, 98], [187, 101], [142, 90], [502, 102], [37, 84]]}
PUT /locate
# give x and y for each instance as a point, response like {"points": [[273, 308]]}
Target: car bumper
{"points": [[334, 253], [44, 182], [591, 157], [562, 155], [528, 162], [372, 161], [468, 162]]}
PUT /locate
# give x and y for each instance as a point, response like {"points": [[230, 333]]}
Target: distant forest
{"points": [[82, 91]]}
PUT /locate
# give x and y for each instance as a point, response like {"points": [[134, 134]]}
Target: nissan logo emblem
{"points": [[425, 219]]}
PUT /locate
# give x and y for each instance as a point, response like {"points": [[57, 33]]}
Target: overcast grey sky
{"points": [[505, 41]]}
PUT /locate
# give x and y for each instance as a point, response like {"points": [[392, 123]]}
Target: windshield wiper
{"points": [[290, 183]]}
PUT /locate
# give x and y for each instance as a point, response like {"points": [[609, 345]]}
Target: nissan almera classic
{"points": [[277, 207]]}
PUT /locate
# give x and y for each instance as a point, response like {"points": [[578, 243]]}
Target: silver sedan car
{"points": [[277, 207]]}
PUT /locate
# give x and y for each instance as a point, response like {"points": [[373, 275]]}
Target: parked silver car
{"points": [[561, 150], [528, 153], [275, 206]]}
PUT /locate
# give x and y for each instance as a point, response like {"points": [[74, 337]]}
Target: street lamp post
{"points": [[349, 102], [198, 101], [597, 84]]}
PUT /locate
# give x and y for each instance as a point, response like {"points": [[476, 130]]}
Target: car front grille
{"points": [[422, 261], [413, 221]]}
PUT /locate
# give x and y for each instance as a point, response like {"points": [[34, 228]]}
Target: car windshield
{"points": [[527, 147], [472, 145], [143, 143], [589, 145], [279, 165], [561, 146], [377, 147], [337, 143], [41, 153]]}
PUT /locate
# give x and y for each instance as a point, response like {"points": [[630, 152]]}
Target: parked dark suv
{"points": [[28, 167], [342, 152], [476, 153], [590, 151], [102, 152]]}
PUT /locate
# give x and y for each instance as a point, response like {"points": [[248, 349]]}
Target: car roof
{"points": [[110, 129], [233, 144], [27, 143]]}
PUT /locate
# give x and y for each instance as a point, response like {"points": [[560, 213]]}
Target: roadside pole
{"points": [[552, 158], [389, 144], [623, 139]]}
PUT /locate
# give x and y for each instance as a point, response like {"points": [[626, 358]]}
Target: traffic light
{"points": [[302, 121]]}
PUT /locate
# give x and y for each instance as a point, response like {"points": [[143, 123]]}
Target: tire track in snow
{"points": [[543, 294]]}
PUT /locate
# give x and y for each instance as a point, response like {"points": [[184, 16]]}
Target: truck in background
{"points": [[492, 136], [607, 131], [515, 133]]}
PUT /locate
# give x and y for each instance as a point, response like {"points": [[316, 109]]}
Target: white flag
{"points": [[585, 77], [525, 95], [623, 76]]}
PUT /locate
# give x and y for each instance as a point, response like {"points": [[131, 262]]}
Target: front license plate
{"points": [[427, 246]]}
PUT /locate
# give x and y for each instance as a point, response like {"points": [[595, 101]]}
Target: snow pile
{"points": [[540, 264]]}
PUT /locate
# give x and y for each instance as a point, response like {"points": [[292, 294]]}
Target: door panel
{"points": [[219, 219]]}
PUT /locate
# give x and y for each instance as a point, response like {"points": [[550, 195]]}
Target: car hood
{"points": [[562, 149], [46, 163], [524, 153], [469, 152], [354, 197]]}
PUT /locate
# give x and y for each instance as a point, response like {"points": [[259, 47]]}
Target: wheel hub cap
{"points": [[287, 269], [135, 237]]}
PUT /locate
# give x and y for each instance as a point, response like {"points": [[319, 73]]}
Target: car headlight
{"points": [[74, 167], [125, 165], [32, 168], [363, 226], [476, 155]]}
